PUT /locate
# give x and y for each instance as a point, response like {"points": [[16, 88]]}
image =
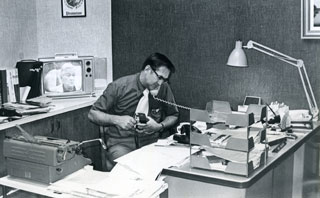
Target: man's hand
{"points": [[150, 127], [126, 122]]}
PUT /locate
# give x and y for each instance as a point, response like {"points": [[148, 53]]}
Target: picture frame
{"points": [[310, 19], [73, 8]]}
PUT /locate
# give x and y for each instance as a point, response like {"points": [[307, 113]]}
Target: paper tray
{"points": [[235, 142], [232, 143], [243, 169]]}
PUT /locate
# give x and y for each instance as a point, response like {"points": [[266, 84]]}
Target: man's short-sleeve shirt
{"points": [[122, 96]]}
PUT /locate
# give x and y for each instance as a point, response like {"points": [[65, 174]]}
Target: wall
{"points": [[198, 37], [277, 24], [35, 28], [90, 35], [193, 34], [18, 35]]}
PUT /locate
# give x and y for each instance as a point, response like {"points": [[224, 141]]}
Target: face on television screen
{"points": [[62, 76]]}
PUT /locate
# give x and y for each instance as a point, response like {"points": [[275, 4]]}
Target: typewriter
{"points": [[42, 159]]}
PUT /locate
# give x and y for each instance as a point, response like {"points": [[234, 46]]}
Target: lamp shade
{"points": [[237, 58]]}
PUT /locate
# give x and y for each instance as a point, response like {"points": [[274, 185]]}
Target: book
{"points": [[10, 91], [3, 86], [13, 85]]}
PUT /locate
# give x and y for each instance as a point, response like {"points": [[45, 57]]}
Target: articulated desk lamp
{"points": [[238, 58]]}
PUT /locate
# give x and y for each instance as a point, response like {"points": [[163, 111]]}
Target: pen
{"points": [[271, 109], [275, 133], [279, 147]]}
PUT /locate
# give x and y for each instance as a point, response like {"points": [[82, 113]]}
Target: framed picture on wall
{"points": [[73, 8], [310, 19]]}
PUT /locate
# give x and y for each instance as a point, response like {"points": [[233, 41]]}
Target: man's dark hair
{"points": [[157, 60]]}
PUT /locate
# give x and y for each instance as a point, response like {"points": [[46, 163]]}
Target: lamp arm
{"points": [[271, 52], [311, 101], [302, 72]]}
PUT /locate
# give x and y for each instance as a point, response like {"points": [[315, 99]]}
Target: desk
{"points": [[28, 186], [59, 106], [68, 119], [282, 176]]}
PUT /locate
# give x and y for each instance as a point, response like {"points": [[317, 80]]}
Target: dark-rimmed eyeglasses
{"points": [[160, 77]]}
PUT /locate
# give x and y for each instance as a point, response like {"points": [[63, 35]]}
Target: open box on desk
{"points": [[223, 154]]}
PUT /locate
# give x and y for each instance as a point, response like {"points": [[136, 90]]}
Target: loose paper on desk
{"points": [[300, 115], [149, 161], [24, 91], [235, 156], [101, 184], [237, 132]]}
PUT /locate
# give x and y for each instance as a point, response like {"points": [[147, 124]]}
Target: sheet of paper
{"points": [[236, 156], [237, 132], [24, 91], [149, 161]]}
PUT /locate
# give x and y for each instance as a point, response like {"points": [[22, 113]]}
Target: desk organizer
{"points": [[229, 139], [235, 146]]}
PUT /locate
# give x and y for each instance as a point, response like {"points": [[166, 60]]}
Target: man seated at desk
{"points": [[124, 97]]}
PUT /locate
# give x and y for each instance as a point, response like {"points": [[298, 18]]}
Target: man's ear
{"points": [[148, 67]]}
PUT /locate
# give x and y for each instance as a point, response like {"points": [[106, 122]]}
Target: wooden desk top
{"points": [[59, 106], [224, 179]]}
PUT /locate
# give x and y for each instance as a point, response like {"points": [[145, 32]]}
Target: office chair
{"points": [[104, 137]]}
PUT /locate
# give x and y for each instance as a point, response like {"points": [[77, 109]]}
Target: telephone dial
{"points": [[183, 135]]}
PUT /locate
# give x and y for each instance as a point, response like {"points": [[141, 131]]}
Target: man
{"points": [[68, 77], [62, 80], [116, 108]]}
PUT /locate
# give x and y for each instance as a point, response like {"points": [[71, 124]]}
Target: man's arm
{"points": [[169, 122], [103, 119], [153, 126]]}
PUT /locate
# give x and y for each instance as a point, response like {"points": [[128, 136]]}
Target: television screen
{"points": [[62, 76], [252, 100], [66, 77]]}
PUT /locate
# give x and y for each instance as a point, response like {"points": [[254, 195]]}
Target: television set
{"points": [[67, 76], [252, 100]]}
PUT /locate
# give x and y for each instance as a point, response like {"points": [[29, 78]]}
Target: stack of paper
{"points": [[26, 109], [135, 175], [88, 183]]}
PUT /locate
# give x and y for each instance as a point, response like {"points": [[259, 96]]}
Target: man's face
{"points": [[68, 78], [156, 77]]}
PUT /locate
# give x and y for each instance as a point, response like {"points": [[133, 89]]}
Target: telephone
{"points": [[183, 129], [183, 135], [141, 118]]}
